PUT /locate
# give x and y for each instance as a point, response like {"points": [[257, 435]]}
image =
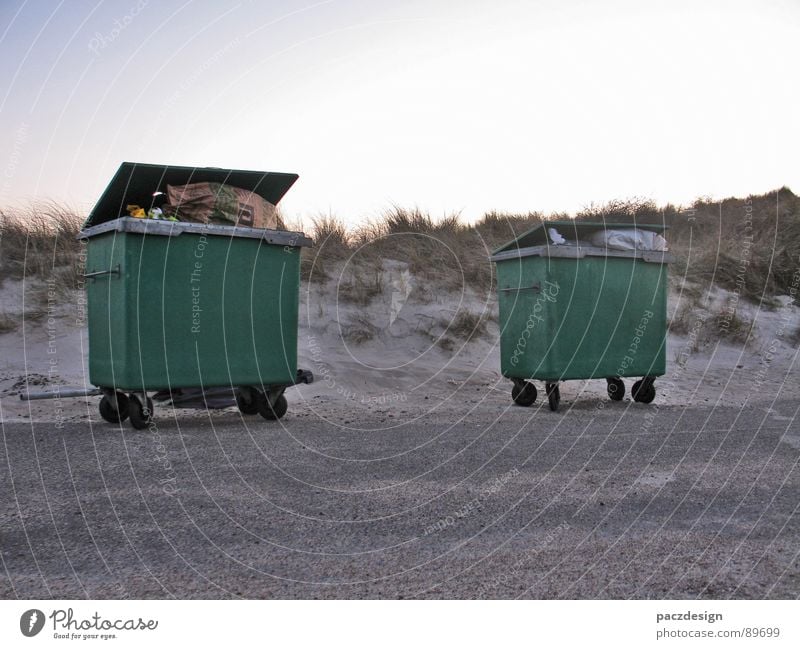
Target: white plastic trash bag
{"points": [[632, 239], [555, 237]]}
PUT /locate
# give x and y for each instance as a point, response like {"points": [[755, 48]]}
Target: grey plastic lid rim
{"points": [[579, 252], [537, 235], [176, 228]]}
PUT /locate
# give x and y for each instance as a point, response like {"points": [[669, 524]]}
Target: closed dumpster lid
{"points": [[536, 242], [571, 230], [134, 184]]}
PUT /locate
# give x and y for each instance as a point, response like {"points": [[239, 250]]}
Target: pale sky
{"points": [[450, 106]]}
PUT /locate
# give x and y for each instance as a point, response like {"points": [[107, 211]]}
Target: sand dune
{"points": [[402, 349]]}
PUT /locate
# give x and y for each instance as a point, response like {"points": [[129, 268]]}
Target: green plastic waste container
{"points": [[194, 312], [581, 311]]}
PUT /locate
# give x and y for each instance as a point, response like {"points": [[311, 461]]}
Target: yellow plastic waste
{"points": [[136, 211]]}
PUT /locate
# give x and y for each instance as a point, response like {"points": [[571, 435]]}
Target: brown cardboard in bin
{"points": [[218, 203]]}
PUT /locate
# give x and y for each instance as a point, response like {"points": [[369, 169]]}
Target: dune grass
{"points": [[750, 246], [39, 241]]}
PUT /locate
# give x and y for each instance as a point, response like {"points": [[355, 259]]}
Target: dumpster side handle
{"points": [[101, 273], [537, 287]]}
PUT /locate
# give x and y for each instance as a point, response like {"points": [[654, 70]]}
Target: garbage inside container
{"points": [[555, 237], [581, 310], [629, 239], [219, 203]]}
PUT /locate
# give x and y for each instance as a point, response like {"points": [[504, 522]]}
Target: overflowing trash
{"points": [[209, 202], [555, 237], [629, 239], [615, 239], [219, 203], [155, 213], [136, 211]]}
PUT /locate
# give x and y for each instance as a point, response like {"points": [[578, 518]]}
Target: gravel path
{"points": [[460, 497]]}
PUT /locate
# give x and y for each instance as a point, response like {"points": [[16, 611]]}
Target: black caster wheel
{"points": [[643, 391], [272, 412], [247, 407], [114, 415], [524, 393], [616, 389], [553, 396], [141, 416]]}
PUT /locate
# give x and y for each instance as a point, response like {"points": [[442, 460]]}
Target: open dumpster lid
{"points": [[571, 230], [135, 183]]}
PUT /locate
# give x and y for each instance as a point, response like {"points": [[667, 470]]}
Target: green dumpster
{"points": [[194, 312], [580, 310]]}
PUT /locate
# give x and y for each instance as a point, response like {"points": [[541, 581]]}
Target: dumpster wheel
{"points": [[247, 407], [553, 395], [141, 416], [523, 393], [643, 390], [615, 388], [274, 411], [114, 414]]}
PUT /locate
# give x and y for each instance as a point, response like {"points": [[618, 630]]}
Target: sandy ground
{"points": [[405, 471]]}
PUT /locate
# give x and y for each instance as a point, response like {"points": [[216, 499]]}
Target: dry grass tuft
{"points": [[359, 331], [438, 252], [633, 210], [38, 240], [721, 324], [727, 325], [497, 228], [682, 320], [444, 254], [446, 343], [331, 245], [360, 286], [466, 325]]}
